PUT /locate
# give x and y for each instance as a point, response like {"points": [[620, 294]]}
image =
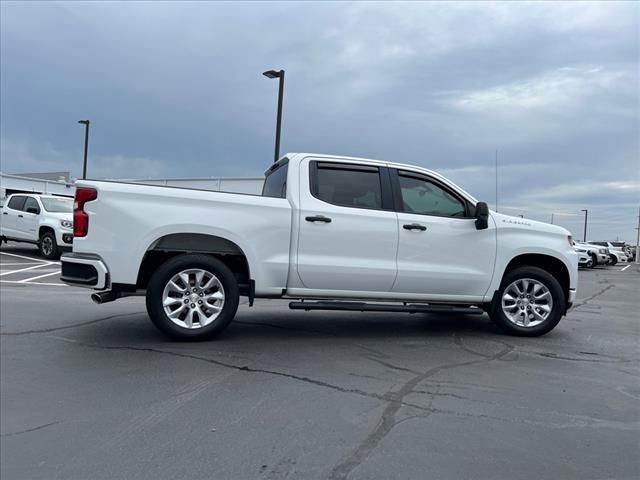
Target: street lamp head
{"points": [[273, 73], [84, 122]]}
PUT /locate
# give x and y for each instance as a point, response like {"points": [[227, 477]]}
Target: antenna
{"points": [[496, 180]]}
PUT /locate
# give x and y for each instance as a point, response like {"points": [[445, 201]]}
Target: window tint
{"points": [[16, 202], [426, 198], [348, 186], [275, 184], [31, 202]]}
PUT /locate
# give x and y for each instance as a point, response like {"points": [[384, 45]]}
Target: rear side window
{"points": [[347, 185], [275, 183], [17, 203]]}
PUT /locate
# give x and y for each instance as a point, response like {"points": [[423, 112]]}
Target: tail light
{"points": [[80, 217]]}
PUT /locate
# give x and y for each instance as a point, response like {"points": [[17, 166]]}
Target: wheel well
{"points": [[176, 244], [551, 264], [45, 229]]}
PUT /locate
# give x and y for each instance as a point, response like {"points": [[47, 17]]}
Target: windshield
{"points": [[57, 204]]}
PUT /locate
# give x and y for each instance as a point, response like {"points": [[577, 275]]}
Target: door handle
{"points": [[20, 216], [318, 218], [414, 226], [5, 213]]}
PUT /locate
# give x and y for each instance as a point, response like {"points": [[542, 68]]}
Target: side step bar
{"points": [[384, 307]]}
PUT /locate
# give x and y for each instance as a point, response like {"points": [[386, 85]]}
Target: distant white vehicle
{"points": [[584, 259], [616, 251], [44, 220], [599, 255]]}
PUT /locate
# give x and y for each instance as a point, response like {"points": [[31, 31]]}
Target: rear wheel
{"points": [[48, 246], [192, 297], [594, 260], [529, 303]]}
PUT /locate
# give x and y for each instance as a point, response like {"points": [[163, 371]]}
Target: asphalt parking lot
{"points": [[94, 391]]}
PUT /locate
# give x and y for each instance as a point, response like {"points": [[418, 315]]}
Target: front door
{"points": [[440, 251], [348, 231]]}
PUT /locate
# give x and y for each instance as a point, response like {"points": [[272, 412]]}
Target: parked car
{"points": [[44, 220], [599, 255], [329, 233], [617, 251], [584, 259]]}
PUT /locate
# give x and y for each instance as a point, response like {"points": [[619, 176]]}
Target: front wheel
{"points": [[48, 246], [192, 297], [614, 259], [594, 261], [529, 303]]}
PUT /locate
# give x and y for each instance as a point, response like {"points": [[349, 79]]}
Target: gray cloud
{"points": [[175, 89]]}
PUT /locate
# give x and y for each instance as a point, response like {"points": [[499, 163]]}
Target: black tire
{"points": [[594, 259], [48, 246], [160, 279], [557, 310], [614, 259]]}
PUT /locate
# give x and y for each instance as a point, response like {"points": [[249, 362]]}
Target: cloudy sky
{"points": [[175, 89]]}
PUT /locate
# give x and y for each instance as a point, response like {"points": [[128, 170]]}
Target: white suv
{"points": [[44, 220]]}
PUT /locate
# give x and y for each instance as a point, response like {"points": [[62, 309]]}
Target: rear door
{"points": [[10, 212], [348, 231], [440, 251]]}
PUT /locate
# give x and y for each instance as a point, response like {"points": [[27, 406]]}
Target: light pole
{"points": [[586, 213], [86, 146], [280, 75], [552, 219]]}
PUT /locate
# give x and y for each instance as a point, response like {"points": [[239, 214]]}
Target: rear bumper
{"points": [[84, 270]]}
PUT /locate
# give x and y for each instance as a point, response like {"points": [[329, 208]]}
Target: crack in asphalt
{"points": [[66, 327], [555, 356], [387, 420], [40, 427], [241, 368], [591, 297]]}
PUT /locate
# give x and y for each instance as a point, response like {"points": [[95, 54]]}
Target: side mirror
{"points": [[33, 210], [482, 216]]}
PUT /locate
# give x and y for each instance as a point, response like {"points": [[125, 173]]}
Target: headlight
{"points": [[602, 250], [66, 223]]}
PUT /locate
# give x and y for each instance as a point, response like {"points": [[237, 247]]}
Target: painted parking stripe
{"points": [[28, 258], [24, 269], [13, 264], [624, 268], [18, 282], [27, 280]]}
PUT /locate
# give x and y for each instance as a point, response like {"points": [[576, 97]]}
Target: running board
{"points": [[384, 307]]}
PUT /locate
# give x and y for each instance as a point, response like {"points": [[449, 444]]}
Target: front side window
{"points": [[424, 197], [275, 183], [60, 205], [16, 203], [31, 203], [347, 185]]}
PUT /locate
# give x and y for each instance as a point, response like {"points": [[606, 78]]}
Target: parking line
{"points": [[26, 280], [624, 268], [25, 269], [19, 282], [27, 258], [13, 264]]}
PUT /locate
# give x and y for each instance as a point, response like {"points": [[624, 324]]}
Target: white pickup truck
{"points": [[329, 233], [44, 220]]}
